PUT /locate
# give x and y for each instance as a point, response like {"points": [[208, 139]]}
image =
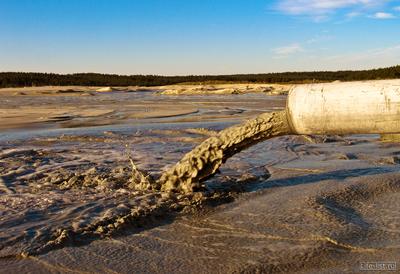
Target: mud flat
{"points": [[70, 201], [48, 108]]}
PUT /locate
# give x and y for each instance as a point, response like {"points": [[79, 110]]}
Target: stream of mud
{"points": [[203, 161]]}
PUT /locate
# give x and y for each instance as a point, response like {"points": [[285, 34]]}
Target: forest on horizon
{"points": [[28, 79]]}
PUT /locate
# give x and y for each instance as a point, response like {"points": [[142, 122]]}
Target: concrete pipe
{"points": [[336, 108], [345, 108]]}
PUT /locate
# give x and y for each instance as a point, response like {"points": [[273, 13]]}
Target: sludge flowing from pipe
{"points": [[204, 160]]}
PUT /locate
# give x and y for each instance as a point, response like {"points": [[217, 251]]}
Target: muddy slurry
{"points": [[204, 160], [72, 195]]}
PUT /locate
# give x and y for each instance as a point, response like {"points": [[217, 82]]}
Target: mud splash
{"points": [[203, 161]]}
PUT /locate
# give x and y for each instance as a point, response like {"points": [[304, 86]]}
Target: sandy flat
{"points": [[302, 204], [52, 107]]}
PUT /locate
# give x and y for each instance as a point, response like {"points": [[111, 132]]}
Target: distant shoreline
{"points": [[34, 79]]}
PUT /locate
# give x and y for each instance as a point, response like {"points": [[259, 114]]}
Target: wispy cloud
{"points": [[299, 7], [303, 46], [320, 38], [288, 50], [390, 53], [361, 59], [383, 15], [353, 14], [323, 10]]}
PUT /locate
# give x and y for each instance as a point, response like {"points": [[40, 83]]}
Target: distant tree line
{"points": [[27, 79]]}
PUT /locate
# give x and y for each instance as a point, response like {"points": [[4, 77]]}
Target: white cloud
{"points": [[298, 47], [288, 50], [353, 14], [383, 15], [390, 53], [320, 38], [329, 59], [299, 7], [396, 8], [320, 18]]}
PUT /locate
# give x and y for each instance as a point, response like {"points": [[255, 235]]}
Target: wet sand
{"points": [[68, 107], [291, 204]]}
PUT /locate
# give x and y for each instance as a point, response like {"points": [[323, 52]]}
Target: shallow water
{"points": [[288, 204]]}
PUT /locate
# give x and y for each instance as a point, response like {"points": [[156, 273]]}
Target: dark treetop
{"points": [[26, 79]]}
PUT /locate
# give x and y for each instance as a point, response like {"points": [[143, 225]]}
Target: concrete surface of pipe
{"points": [[344, 108]]}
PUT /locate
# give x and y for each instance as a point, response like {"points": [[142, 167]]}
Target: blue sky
{"points": [[179, 37]]}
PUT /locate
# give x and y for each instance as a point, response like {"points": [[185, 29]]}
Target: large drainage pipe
{"points": [[344, 108], [336, 108]]}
